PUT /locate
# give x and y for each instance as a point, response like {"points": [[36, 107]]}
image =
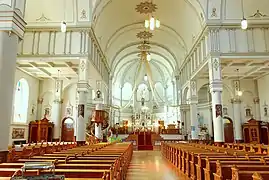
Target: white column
{"points": [[82, 120], [194, 121], [210, 128], [110, 95], [56, 110], [177, 89], [98, 126], [237, 120], [174, 92], [83, 88], [215, 82], [257, 108], [193, 110], [11, 31], [121, 96]]}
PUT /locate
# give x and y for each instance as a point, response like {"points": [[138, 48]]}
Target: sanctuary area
{"points": [[134, 90]]}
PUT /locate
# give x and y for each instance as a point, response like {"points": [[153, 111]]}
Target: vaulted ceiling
{"points": [[116, 24]]}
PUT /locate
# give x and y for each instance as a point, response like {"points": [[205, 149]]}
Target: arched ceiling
{"points": [[116, 24]]}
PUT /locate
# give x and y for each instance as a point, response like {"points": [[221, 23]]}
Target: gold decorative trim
{"points": [[146, 7], [144, 47], [144, 35]]}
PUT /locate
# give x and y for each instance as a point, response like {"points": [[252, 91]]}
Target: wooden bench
{"points": [[107, 162], [224, 171]]}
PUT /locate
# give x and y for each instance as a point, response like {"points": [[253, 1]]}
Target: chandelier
{"points": [[152, 23]]}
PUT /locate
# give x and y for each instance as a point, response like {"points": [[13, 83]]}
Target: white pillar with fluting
{"points": [[83, 88], [215, 84], [193, 110], [238, 136], [11, 31], [194, 120], [56, 110]]}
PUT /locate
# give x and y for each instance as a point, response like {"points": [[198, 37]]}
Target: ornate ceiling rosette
{"points": [[144, 35], [146, 7]]}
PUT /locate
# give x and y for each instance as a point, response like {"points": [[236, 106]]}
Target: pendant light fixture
{"points": [[145, 77], [63, 23], [238, 91], [244, 22]]}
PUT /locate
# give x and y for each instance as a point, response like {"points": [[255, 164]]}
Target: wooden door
{"points": [[264, 135], [228, 130], [68, 130]]}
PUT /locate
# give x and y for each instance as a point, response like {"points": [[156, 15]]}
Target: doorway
{"points": [[68, 129], [228, 130]]}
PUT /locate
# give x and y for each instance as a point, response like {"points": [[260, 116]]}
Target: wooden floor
{"points": [[149, 165]]}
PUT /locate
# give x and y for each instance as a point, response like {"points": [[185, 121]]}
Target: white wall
{"points": [[33, 91], [263, 86]]}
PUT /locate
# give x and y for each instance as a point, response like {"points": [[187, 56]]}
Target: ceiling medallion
{"points": [[146, 7], [144, 35]]}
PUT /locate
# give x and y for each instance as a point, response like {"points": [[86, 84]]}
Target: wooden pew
{"points": [[248, 175], [224, 171], [112, 160]]}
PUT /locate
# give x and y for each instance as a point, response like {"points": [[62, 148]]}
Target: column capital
{"points": [[58, 101], [256, 100], [193, 100], [236, 101], [82, 86], [13, 21], [177, 77], [215, 87]]}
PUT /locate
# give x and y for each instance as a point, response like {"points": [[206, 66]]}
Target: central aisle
{"points": [[149, 165]]}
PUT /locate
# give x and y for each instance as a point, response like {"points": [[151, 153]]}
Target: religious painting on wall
{"points": [[218, 110], [18, 133], [248, 112], [81, 110], [47, 112]]}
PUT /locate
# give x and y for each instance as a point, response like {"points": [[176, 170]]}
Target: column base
{"points": [[219, 144], [81, 143], [56, 140], [239, 141], [3, 156]]}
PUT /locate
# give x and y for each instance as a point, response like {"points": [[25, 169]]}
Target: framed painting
{"points": [[18, 133]]}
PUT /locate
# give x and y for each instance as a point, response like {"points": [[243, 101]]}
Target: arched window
{"points": [[21, 102]]}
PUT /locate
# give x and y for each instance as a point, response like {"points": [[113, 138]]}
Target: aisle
{"points": [[149, 165]]}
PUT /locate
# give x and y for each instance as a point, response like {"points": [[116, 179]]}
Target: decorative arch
{"points": [[185, 96], [228, 129], [21, 101]]}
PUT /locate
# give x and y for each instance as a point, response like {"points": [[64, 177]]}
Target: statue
{"points": [[142, 101]]}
